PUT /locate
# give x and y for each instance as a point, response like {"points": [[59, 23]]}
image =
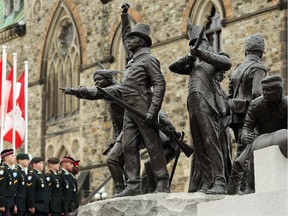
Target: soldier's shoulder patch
{"points": [[1, 172], [29, 184], [47, 178], [15, 174], [29, 177]]}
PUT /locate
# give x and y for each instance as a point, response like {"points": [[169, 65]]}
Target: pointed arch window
{"points": [[61, 62], [213, 31]]}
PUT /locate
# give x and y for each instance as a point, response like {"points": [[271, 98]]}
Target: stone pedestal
{"points": [[271, 170], [270, 198], [161, 204]]}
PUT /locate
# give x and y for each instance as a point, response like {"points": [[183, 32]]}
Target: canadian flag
{"points": [[19, 112], [6, 89]]}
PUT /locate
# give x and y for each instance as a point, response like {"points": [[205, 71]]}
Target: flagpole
{"points": [[26, 107], [4, 63], [14, 99]]}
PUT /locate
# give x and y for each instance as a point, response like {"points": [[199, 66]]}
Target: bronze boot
{"points": [[162, 186], [133, 188], [234, 185], [219, 186]]}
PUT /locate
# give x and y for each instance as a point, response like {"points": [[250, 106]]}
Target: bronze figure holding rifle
{"points": [[201, 65]]}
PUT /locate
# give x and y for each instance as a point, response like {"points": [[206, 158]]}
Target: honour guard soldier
{"points": [[37, 190], [7, 202], [68, 185], [75, 171], [53, 178], [23, 161]]}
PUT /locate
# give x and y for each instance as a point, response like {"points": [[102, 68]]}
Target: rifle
{"points": [[110, 146], [199, 39], [167, 131]]}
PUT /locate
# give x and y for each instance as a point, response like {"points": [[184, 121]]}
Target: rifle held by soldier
{"points": [[167, 131]]}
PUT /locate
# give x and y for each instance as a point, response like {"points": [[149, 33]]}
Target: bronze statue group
{"points": [[25, 192], [255, 107]]}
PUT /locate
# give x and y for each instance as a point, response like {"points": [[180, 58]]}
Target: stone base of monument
{"points": [[270, 198], [161, 204]]}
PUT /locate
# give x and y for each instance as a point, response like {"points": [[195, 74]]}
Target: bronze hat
{"points": [[255, 43], [142, 30], [193, 32], [273, 81]]}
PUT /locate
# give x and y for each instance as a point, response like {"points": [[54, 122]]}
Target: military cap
{"points": [[36, 160], [22, 156], [6, 152], [68, 159], [273, 81], [143, 31], [255, 43], [53, 160]]}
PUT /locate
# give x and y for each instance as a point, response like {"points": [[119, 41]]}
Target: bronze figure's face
{"points": [[134, 42], [100, 81], [271, 95]]}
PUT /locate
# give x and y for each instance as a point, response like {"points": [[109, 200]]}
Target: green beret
{"points": [[22, 156], [273, 81], [53, 160], [36, 160]]}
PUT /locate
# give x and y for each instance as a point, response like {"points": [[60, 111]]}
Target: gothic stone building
{"points": [[64, 39]]}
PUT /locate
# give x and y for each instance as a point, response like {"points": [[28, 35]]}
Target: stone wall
{"points": [[86, 134]]}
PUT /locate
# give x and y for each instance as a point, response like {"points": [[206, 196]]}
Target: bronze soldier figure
{"points": [[245, 84], [23, 161], [115, 159], [266, 114], [142, 72], [105, 79], [7, 203], [201, 65]]}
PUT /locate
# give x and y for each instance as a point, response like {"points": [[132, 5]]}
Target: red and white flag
{"points": [[6, 91], [19, 113]]}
